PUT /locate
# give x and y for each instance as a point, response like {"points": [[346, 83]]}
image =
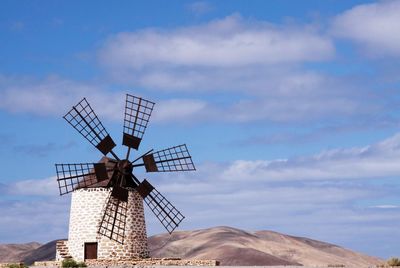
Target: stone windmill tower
{"points": [[107, 216]]}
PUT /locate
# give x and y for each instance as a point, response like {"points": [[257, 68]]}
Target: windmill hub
{"points": [[124, 167]]}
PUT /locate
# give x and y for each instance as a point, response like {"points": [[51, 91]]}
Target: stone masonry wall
{"points": [[62, 251], [87, 209], [8, 264], [150, 262]]}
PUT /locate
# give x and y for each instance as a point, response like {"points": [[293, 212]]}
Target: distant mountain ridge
{"points": [[232, 246], [229, 245], [13, 252], [27, 253]]}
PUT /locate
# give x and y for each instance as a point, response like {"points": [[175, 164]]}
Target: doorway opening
{"points": [[90, 251]]}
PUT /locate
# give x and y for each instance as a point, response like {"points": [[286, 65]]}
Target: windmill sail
{"points": [[136, 118], [176, 158], [85, 121], [113, 222], [165, 212], [74, 176]]}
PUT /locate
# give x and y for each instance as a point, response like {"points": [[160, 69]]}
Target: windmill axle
{"points": [[124, 167]]}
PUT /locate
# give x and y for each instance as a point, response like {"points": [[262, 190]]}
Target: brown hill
{"points": [[43, 253], [236, 247], [12, 252], [228, 245]]}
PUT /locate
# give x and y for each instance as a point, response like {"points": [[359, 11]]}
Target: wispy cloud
{"points": [[290, 136], [54, 96], [179, 110], [199, 8], [40, 220], [34, 187], [373, 26], [294, 98], [374, 161], [386, 206], [33, 204], [17, 26], [42, 150]]}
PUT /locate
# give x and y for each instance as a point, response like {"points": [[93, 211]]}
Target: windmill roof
{"points": [[88, 180]]}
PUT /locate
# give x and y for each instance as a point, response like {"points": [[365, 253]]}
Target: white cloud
{"points": [[54, 96], [374, 161], [374, 26], [41, 220], [295, 97], [35, 187], [226, 54], [244, 178], [255, 65], [254, 61], [32, 210], [228, 42], [259, 62], [385, 206], [178, 110]]}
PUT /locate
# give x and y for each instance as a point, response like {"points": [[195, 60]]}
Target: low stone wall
{"points": [[7, 264], [181, 266], [47, 263], [175, 265], [153, 262], [137, 262]]}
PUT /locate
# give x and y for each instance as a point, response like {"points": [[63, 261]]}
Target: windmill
{"points": [[107, 218]]}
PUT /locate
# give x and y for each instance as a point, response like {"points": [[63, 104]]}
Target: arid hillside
{"points": [[27, 253], [12, 252], [228, 245], [237, 247]]}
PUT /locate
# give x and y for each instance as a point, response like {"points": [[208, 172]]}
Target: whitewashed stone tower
{"points": [[87, 210]]}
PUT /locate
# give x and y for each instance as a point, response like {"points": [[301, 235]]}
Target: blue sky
{"points": [[289, 108]]}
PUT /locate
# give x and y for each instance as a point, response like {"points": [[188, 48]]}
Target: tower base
{"points": [[87, 210]]}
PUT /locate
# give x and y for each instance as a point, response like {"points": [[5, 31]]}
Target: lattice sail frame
{"points": [[113, 222], [165, 212], [85, 121], [136, 117], [176, 158], [70, 176]]}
